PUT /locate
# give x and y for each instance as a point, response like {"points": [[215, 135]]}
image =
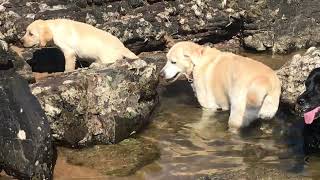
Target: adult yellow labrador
{"points": [[76, 39], [224, 81]]}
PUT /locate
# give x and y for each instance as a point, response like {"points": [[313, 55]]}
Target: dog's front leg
{"points": [[70, 59]]}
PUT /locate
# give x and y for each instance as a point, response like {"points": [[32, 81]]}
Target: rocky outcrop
{"points": [[11, 60], [26, 143], [102, 105], [141, 25], [294, 73], [280, 26]]}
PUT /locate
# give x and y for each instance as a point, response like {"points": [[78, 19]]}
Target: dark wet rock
{"points": [[9, 59], [141, 25], [262, 25], [101, 105], [26, 143], [121, 159], [259, 171], [294, 73], [280, 26]]}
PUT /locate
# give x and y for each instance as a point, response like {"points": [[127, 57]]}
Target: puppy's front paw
{"points": [[95, 65], [234, 130]]}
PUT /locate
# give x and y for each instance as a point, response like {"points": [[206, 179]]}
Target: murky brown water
{"points": [[193, 144]]}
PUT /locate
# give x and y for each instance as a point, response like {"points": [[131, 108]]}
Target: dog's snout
{"points": [[301, 101]]}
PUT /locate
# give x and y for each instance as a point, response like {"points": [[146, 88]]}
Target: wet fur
{"points": [[307, 101], [222, 80]]}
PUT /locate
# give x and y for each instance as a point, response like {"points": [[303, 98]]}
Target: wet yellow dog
{"points": [[76, 39], [226, 81]]}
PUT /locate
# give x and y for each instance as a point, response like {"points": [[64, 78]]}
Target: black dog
{"points": [[308, 106]]}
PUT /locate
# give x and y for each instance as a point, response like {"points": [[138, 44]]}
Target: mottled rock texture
{"points": [[25, 139], [279, 26], [122, 159], [101, 105], [11, 60], [294, 73]]}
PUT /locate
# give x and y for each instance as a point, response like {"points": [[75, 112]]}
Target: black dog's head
{"points": [[308, 103]]}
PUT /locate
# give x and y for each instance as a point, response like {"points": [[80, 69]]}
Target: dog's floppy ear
{"points": [[45, 35], [197, 54]]}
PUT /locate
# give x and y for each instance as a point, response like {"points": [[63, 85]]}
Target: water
{"points": [[194, 144]]}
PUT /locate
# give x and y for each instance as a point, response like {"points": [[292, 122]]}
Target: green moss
{"points": [[120, 159]]}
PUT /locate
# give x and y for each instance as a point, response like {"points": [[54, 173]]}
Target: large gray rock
{"points": [[294, 73], [279, 26], [27, 150], [101, 105], [10, 59], [141, 25]]}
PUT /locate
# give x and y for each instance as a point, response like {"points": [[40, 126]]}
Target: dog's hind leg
{"points": [[261, 97], [237, 112], [270, 105]]}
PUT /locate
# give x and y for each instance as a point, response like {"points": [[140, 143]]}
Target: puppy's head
{"points": [[308, 103], [37, 34], [180, 60]]}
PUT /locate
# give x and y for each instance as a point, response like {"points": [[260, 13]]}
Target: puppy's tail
{"points": [[130, 55]]}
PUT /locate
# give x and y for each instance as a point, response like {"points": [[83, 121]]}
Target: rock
{"points": [[10, 59], [26, 143], [121, 159], [261, 172], [99, 106], [294, 73], [141, 25], [279, 26], [262, 25]]}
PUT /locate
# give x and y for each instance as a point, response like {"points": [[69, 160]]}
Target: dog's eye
{"points": [[30, 34], [173, 62], [186, 56]]}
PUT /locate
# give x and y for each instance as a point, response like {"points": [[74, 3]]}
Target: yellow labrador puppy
{"points": [[224, 81], [76, 39]]}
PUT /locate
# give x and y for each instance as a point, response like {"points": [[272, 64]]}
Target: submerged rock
{"points": [[259, 171], [294, 73], [101, 105], [121, 159], [25, 139]]}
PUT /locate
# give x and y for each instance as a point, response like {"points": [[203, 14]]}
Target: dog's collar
{"points": [[190, 77]]}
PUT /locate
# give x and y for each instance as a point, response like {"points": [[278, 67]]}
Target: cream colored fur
{"points": [[76, 39], [223, 80]]}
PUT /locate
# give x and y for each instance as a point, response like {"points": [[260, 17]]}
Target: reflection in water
{"points": [[195, 143]]}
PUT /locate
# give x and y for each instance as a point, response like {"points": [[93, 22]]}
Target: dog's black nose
{"points": [[301, 101]]}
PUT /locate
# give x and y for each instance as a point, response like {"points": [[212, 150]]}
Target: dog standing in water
{"points": [[76, 39], [224, 81]]}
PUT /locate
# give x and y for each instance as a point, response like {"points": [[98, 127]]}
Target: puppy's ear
{"points": [[45, 36], [197, 54]]}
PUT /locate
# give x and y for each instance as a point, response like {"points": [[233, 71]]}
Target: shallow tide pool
{"points": [[193, 144]]}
